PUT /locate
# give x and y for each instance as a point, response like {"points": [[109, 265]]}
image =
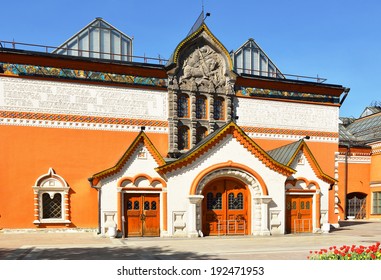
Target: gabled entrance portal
{"points": [[225, 208]]}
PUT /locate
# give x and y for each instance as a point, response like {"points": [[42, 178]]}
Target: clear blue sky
{"points": [[336, 39]]}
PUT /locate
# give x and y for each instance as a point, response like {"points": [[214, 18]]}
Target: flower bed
{"points": [[345, 252]]}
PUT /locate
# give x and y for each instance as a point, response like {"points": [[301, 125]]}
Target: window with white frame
{"points": [[51, 195], [376, 203]]}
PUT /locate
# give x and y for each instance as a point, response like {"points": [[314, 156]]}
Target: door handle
{"points": [[142, 217]]}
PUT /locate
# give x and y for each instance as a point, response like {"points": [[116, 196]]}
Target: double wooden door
{"points": [[142, 214], [298, 213], [225, 208]]}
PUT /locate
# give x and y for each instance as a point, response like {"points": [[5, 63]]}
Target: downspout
{"points": [[346, 91], [99, 203], [347, 145]]}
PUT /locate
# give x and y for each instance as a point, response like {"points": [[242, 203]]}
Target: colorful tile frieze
{"points": [[63, 73], [269, 93]]}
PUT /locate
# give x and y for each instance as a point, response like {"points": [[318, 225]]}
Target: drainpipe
{"points": [[346, 91], [99, 203], [347, 145]]}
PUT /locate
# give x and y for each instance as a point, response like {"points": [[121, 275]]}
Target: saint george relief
{"points": [[203, 69]]}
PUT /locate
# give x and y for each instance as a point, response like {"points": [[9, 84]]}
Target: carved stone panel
{"points": [[203, 69]]}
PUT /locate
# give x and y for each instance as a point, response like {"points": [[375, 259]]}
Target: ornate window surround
{"points": [[219, 108], [201, 107], [184, 137], [183, 106], [52, 184]]}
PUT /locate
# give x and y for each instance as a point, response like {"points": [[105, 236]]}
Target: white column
{"points": [[261, 221], [265, 200], [192, 222]]}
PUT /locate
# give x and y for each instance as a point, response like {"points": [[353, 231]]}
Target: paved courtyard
{"points": [[89, 246]]}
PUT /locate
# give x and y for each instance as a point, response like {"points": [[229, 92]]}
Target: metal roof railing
{"points": [[83, 53]]}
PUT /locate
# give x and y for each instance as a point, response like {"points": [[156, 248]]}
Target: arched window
{"points": [[183, 138], [235, 202], [201, 132], [183, 106], [51, 199], [201, 107], [218, 106]]}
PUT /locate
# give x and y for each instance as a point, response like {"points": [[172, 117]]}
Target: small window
{"points": [[153, 205], [308, 206], [200, 133], [376, 203], [146, 205], [136, 205], [235, 203], [214, 203], [183, 138], [201, 107], [218, 109], [51, 206], [183, 106], [294, 205], [51, 199]]}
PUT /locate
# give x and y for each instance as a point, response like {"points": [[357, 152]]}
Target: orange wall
{"points": [[28, 152], [358, 181], [375, 171]]}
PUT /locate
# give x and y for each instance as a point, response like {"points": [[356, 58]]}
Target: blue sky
{"points": [[336, 39]]}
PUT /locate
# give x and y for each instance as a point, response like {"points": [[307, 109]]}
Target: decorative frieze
{"points": [[289, 95], [286, 115], [76, 74], [19, 95]]}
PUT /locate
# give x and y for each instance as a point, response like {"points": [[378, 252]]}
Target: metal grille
{"points": [[182, 106], [235, 203], [153, 205], [357, 207], [146, 205], [183, 138], [136, 205], [51, 208], [218, 109], [201, 107], [214, 203], [129, 205]]}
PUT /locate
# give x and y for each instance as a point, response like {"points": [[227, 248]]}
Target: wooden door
{"points": [[236, 212], [225, 208], [142, 212], [298, 213]]}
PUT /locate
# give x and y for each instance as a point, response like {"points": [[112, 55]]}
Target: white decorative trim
{"points": [[363, 159], [376, 148], [291, 137], [81, 125]]}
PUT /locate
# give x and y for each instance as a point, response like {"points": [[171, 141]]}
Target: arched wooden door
{"points": [[225, 208], [142, 214], [298, 213]]}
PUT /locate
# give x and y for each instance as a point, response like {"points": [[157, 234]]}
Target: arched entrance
{"points": [[356, 205], [225, 207]]}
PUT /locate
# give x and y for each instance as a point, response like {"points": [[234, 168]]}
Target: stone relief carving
{"points": [[203, 69]]}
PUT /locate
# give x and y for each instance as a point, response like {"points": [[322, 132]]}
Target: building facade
{"points": [[190, 148]]}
